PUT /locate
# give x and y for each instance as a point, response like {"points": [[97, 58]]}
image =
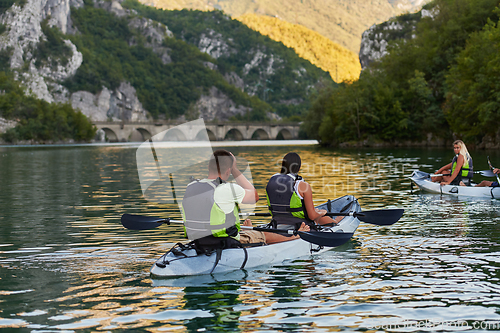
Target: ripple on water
{"points": [[77, 268]]}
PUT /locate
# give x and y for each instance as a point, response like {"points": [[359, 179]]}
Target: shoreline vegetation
{"points": [[296, 142], [38, 120], [440, 81]]}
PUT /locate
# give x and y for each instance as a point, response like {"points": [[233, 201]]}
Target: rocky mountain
{"points": [[375, 40], [342, 64], [119, 60], [342, 21], [23, 22]]}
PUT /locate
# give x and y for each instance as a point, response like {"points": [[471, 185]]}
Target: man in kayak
{"points": [[460, 170], [289, 197], [487, 183], [210, 206]]}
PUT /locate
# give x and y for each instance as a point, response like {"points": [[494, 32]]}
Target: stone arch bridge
{"points": [[142, 131]]}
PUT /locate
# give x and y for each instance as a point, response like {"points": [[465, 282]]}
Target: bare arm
{"points": [[251, 195], [444, 168], [460, 163], [318, 216]]}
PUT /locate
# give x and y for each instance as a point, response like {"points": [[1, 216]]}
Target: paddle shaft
{"points": [[329, 239], [138, 222], [284, 231], [290, 232], [492, 168], [327, 214], [281, 231], [377, 217], [485, 173]]}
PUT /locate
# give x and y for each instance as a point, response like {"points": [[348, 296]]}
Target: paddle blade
{"points": [[380, 217], [328, 239], [139, 222], [417, 174], [486, 173]]}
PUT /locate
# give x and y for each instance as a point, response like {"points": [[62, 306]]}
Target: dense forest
{"points": [[110, 57], [443, 82]]}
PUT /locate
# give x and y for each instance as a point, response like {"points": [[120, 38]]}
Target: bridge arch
{"points": [[233, 135], [202, 135], [110, 135], [174, 134], [260, 134], [211, 135], [139, 135], [284, 134]]}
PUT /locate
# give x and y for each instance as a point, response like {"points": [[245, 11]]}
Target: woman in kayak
{"points": [[487, 183], [289, 197], [210, 207], [459, 171]]}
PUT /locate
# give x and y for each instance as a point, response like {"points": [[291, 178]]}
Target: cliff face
{"points": [[24, 32], [6, 124], [375, 40]]}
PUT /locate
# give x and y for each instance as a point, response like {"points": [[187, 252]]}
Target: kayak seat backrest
{"points": [[347, 207], [210, 243], [342, 204]]}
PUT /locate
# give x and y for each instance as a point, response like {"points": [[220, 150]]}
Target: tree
{"points": [[473, 101]]}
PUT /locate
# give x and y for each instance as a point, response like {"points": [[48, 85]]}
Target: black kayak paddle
{"points": [[377, 217], [329, 239]]}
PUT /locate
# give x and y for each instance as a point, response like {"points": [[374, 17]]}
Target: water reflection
{"points": [[68, 264]]}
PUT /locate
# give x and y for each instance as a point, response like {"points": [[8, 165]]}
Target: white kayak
{"points": [[182, 260], [424, 183]]}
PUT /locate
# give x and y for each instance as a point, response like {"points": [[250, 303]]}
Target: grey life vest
{"points": [[284, 203], [203, 217]]}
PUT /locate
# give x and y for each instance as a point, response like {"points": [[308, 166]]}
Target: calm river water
{"points": [[67, 264]]}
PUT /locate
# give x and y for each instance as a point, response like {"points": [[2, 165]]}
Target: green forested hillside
{"points": [[443, 82], [163, 89], [280, 80], [270, 77]]}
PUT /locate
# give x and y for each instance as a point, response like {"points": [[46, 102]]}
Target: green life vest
{"points": [[203, 217], [466, 170]]}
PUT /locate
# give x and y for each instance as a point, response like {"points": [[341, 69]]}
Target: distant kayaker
{"points": [[210, 206], [290, 198], [487, 183], [460, 170]]}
